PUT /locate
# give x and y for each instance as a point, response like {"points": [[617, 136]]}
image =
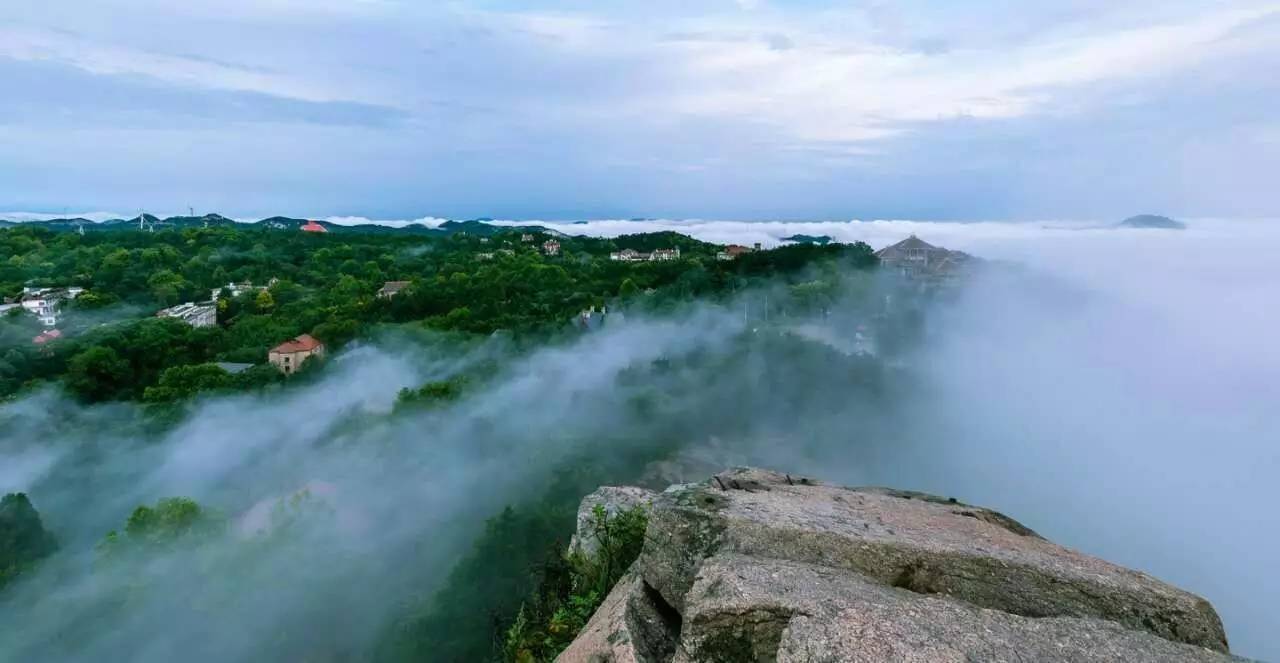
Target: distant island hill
{"points": [[1152, 221]]}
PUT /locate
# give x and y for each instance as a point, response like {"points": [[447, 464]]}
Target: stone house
{"points": [[289, 356], [916, 258]]}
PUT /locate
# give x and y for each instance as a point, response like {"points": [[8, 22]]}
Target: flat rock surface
{"points": [[748, 609], [921, 543]]}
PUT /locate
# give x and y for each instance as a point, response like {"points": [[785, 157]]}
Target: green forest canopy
{"points": [[113, 348]]}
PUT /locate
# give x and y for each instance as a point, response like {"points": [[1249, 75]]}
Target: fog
{"points": [[1114, 390], [1119, 395]]}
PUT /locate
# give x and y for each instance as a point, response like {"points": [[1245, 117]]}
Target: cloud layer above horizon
{"points": [[568, 109]]}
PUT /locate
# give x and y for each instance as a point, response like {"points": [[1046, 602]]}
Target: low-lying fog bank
{"points": [[1117, 392], [1119, 395]]}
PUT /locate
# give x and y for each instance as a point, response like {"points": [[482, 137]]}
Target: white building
{"points": [[196, 315], [629, 255], [236, 289], [632, 255], [45, 303]]}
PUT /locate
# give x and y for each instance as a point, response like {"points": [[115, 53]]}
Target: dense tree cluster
{"points": [[474, 282], [514, 594], [23, 538]]}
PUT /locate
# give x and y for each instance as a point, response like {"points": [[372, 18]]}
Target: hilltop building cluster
{"points": [[234, 290], [734, 251], [45, 304], [919, 260], [195, 314]]}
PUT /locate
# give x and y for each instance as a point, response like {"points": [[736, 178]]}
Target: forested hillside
{"points": [[112, 348], [433, 529]]}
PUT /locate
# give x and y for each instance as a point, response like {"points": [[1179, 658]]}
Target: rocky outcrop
{"points": [[760, 566], [633, 625], [613, 499]]}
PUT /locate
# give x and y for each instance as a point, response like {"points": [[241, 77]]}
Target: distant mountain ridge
{"points": [[481, 227]]}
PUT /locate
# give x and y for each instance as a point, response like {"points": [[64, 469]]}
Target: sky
{"points": [[751, 109]]}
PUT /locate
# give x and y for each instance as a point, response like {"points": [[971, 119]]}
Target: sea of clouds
{"points": [[1117, 392]]}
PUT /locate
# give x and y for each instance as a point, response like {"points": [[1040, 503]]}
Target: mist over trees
{"points": [[449, 438], [23, 539], [412, 496], [322, 285]]}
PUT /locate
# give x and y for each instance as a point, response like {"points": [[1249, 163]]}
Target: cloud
{"points": [[55, 97], [671, 109], [114, 59]]}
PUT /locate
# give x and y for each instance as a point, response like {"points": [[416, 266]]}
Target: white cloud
{"points": [[107, 58], [660, 109], [834, 87]]}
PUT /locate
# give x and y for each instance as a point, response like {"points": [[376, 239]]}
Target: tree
{"points": [[181, 382], [91, 299], [264, 302], [166, 286], [98, 374], [23, 538], [172, 521], [628, 289]]}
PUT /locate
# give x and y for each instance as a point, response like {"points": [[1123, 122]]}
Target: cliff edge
{"points": [[753, 565]]}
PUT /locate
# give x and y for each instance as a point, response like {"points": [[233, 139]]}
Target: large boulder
{"points": [[762, 566]]}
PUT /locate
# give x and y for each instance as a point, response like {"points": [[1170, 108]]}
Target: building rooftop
{"points": [[46, 336], [911, 242], [303, 343], [392, 287]]}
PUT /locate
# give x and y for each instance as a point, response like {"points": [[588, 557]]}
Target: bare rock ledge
{"points": [[753, 565]]}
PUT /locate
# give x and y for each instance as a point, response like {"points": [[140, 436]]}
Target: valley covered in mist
{"points": [[1113, 389]]}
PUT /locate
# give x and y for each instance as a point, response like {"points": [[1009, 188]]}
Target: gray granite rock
{"points": [[921, 543], [754, 565], [629, 627], [751, 609]]}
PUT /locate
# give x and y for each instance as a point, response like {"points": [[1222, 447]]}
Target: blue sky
{"points": [[720, 108]]}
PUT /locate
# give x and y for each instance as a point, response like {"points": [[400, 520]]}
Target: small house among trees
{"points": [[391, 289], [289, 356]]}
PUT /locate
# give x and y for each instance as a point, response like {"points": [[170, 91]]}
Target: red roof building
{"points": [[288, 356], [46, 336], [313, 227], [304, 343]]}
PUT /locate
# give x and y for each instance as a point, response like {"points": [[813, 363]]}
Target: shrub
{"points": [[573, 586]]}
